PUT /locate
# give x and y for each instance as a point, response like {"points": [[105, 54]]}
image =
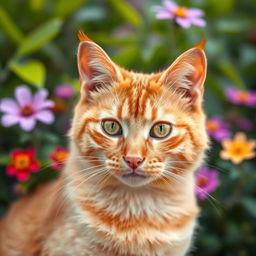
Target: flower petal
{"points": [[9, 106], [34, 166], [183, 22], [39, 98], [198, 22], [23, 95], [171, 6], [9, 120], [164, 15], [45, 116], [27, 124], [11, 170], [193, 12], [22, 176], [240, 136]]}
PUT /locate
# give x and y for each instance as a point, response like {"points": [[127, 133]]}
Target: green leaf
{"points": [[250, 205], [127, 12], [31, 71], [127, 55], [40, 36], [4, 159], [221, 8], [232, 73], [9, 27], [64, 8], [36, 5]]}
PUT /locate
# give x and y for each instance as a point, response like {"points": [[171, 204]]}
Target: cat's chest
{"points": [[78, 238]]}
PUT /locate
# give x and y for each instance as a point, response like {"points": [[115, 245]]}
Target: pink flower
{"points": [[217, 128], [27, 109], [64, 91], [23, 163], [241, 97], [181, 15], [207, 180]]}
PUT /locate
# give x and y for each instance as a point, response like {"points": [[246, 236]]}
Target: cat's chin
{"points": [[133, 180]]}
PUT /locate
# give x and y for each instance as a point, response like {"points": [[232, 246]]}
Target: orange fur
{"points": [[94, 208]]}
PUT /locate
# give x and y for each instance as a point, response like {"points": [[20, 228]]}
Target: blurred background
{"points": [[38, 42]]}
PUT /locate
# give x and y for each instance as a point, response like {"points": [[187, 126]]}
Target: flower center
{"points": [[211, 126], [181, 11], [239, 149], [201, 181], [243, 96], [27, 110], [22, 161], [61, 156]]}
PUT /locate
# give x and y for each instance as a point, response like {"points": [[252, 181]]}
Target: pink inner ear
{"points": [[95, 67]]}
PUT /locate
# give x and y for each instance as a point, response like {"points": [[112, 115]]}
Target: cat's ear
{"points": [[187, 74], [96, 69]]}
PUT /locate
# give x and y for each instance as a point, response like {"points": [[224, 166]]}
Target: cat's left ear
{"points": [[96, 69], [187, 74]]}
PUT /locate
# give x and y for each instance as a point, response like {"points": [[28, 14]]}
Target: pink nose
{"points": [[133, 161]]}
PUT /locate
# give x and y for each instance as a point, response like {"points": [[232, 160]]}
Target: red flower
{"points": [[23, 163], [58, 157]]}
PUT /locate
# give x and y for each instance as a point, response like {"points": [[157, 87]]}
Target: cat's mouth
{"points": [[134, 174], [134, 179]]}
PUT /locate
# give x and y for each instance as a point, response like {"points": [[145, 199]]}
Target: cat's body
{"points": [[115, 197]]}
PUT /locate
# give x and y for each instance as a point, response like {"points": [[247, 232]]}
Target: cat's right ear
{"points": [[96, 69]]}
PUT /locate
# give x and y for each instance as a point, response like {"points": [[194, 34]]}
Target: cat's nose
{"points": [[134, 161]]}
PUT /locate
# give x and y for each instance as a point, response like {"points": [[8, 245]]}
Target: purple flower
{"points": [[241, 97], [181, 15], [27, 108], [245, 124], [217, 128], [64, 91], [207, 180]]}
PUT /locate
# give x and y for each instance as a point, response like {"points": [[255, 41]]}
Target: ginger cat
{"points": [[128, 186]]}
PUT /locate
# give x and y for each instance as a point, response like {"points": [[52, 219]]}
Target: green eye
{"points": [[160, 130], [112, 127]]}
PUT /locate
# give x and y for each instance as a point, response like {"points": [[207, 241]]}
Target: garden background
{"points": [[38, 44]]}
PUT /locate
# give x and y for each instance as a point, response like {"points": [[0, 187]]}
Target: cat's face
{"points": [[138, 129]]}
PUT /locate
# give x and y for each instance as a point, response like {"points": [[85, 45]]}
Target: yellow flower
{"points": [[238, 149]]}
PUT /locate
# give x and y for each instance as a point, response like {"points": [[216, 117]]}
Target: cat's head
{"points": [[139, 129]]}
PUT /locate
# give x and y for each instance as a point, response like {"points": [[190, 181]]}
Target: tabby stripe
{"points": [[99, 139], [82, 129], [173, 142], [133, 222]]}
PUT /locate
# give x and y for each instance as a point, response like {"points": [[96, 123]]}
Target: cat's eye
{"points": [[160, 130], [112, 127]]}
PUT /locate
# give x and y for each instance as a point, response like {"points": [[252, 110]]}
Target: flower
{"points": [[207, 180], [217, 128], [59, 105], [64, 91], [238, 149], [58, 157], [181, 15], [241, 97], [23, 163], [26, 109], [245, 124]]}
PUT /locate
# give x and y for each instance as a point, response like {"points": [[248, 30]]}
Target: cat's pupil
{"points": [[113, 126], [161, 128]]}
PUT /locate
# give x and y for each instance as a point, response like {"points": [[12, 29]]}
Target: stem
{"points": [[238, 189]]}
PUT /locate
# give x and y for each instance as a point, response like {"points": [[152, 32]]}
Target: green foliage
{"points": [[31, 71], [38, 47], [39, 37]]}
